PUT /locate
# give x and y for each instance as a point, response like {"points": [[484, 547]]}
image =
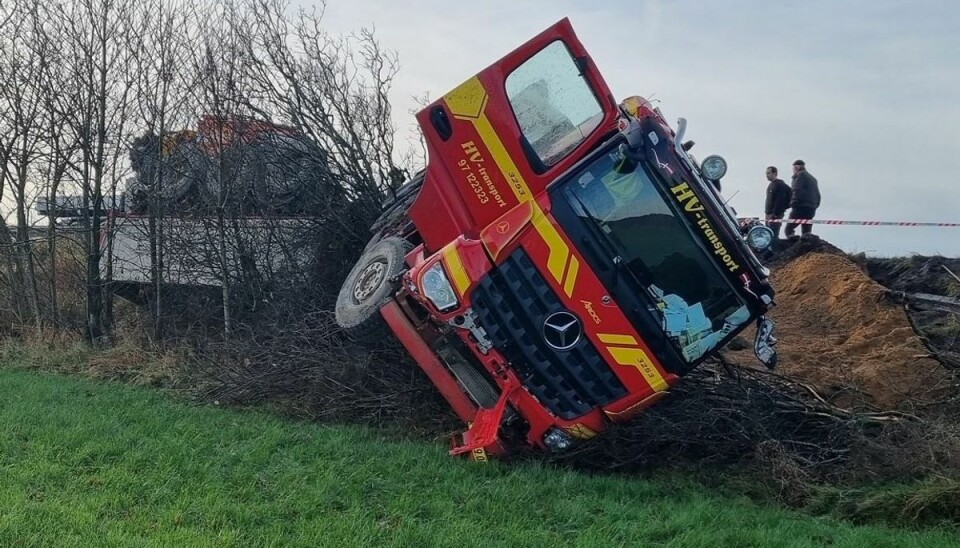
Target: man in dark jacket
{"points": [[778, 200], [804, 198]]}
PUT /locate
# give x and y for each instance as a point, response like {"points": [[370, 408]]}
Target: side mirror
{"points": [[763, 344]]}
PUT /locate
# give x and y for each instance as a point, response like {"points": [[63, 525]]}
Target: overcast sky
{"points": [[867, 93]]}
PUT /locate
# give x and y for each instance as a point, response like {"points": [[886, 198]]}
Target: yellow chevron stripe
{"points": [[613, 338], [503, 159], [557, 260], [571, 281], [636, 357], [468, 100], [639, 404]]}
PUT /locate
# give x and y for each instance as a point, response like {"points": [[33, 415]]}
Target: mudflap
{"points": [[482, 438]]}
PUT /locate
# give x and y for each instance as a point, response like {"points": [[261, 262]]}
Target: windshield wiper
{"points": [[593, 226], [619, 265]]}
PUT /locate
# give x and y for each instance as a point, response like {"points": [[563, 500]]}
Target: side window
{"points": [[553, 103]]}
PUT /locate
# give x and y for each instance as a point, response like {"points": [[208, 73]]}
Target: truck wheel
{"points": [[369, 286]]}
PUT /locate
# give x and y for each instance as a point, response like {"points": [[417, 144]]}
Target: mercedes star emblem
{"points": [[562, 330]]}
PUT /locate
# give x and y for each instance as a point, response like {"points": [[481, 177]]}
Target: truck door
{"points": [[501, 137]]}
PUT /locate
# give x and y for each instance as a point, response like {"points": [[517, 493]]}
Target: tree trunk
{"points": [[91, 247], [14, 269], [224, 271], [52, 267], [154, 262], [26, 251], [107, 291], [95, 281]]}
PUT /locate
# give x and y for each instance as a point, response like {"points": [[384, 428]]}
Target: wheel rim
{"points": [[369, 280]]}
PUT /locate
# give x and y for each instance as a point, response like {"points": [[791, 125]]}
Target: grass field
{"points": [[88, 464]]}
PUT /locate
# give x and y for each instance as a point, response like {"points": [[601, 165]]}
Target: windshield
{"points": [[631, 212]]}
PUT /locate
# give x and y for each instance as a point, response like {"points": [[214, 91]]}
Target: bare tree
{"points": [[222, 96], [334, 90], [13, 268], [98, 40], [292, 122], [162, 82], [24, 58]]}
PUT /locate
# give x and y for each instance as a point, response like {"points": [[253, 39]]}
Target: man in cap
{"points": [[804, 198]]}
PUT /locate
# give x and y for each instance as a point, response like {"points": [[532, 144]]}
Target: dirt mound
{"points": [[840, 333], [940, 327], [789, 250]]}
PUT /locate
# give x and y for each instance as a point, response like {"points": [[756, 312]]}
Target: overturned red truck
{"points": [[562, 261]]}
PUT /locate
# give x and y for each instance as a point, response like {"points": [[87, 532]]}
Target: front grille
{"points": [[511, 303]]}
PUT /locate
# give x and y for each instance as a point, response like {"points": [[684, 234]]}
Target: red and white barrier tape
{"points": [[862, 223]]}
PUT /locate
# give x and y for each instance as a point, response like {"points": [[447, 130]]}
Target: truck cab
{"points": [[561, 262]]}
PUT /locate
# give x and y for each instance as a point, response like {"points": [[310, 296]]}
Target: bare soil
{"points": [[934, 275], [841, 333]]}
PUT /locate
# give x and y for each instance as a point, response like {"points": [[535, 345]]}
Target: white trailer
{"points": [[257, 250]]}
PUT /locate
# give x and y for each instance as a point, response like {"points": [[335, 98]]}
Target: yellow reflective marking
{"points": [[581, 432], [636, 357], [468, 100], [613, 338], [455, 267], [557, 261], [571, 280], [641, 403], [503, 159]]}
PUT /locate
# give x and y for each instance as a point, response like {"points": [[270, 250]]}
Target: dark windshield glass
{"points": [[635, 217]]}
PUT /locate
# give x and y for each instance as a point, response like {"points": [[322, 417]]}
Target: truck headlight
{"points": [[437, 288], [713, 167], [557, 440], [759, 237]]}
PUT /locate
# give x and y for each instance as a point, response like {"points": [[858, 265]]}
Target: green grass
{"points": [[85, 464]]}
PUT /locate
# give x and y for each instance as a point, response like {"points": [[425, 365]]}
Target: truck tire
{"points": [[370, 284]]}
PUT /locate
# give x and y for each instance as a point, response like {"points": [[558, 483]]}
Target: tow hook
{"points": [[484, 432], [763, 345]]}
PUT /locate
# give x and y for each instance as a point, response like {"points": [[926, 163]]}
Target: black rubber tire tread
{"points": [[362, 321]]}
